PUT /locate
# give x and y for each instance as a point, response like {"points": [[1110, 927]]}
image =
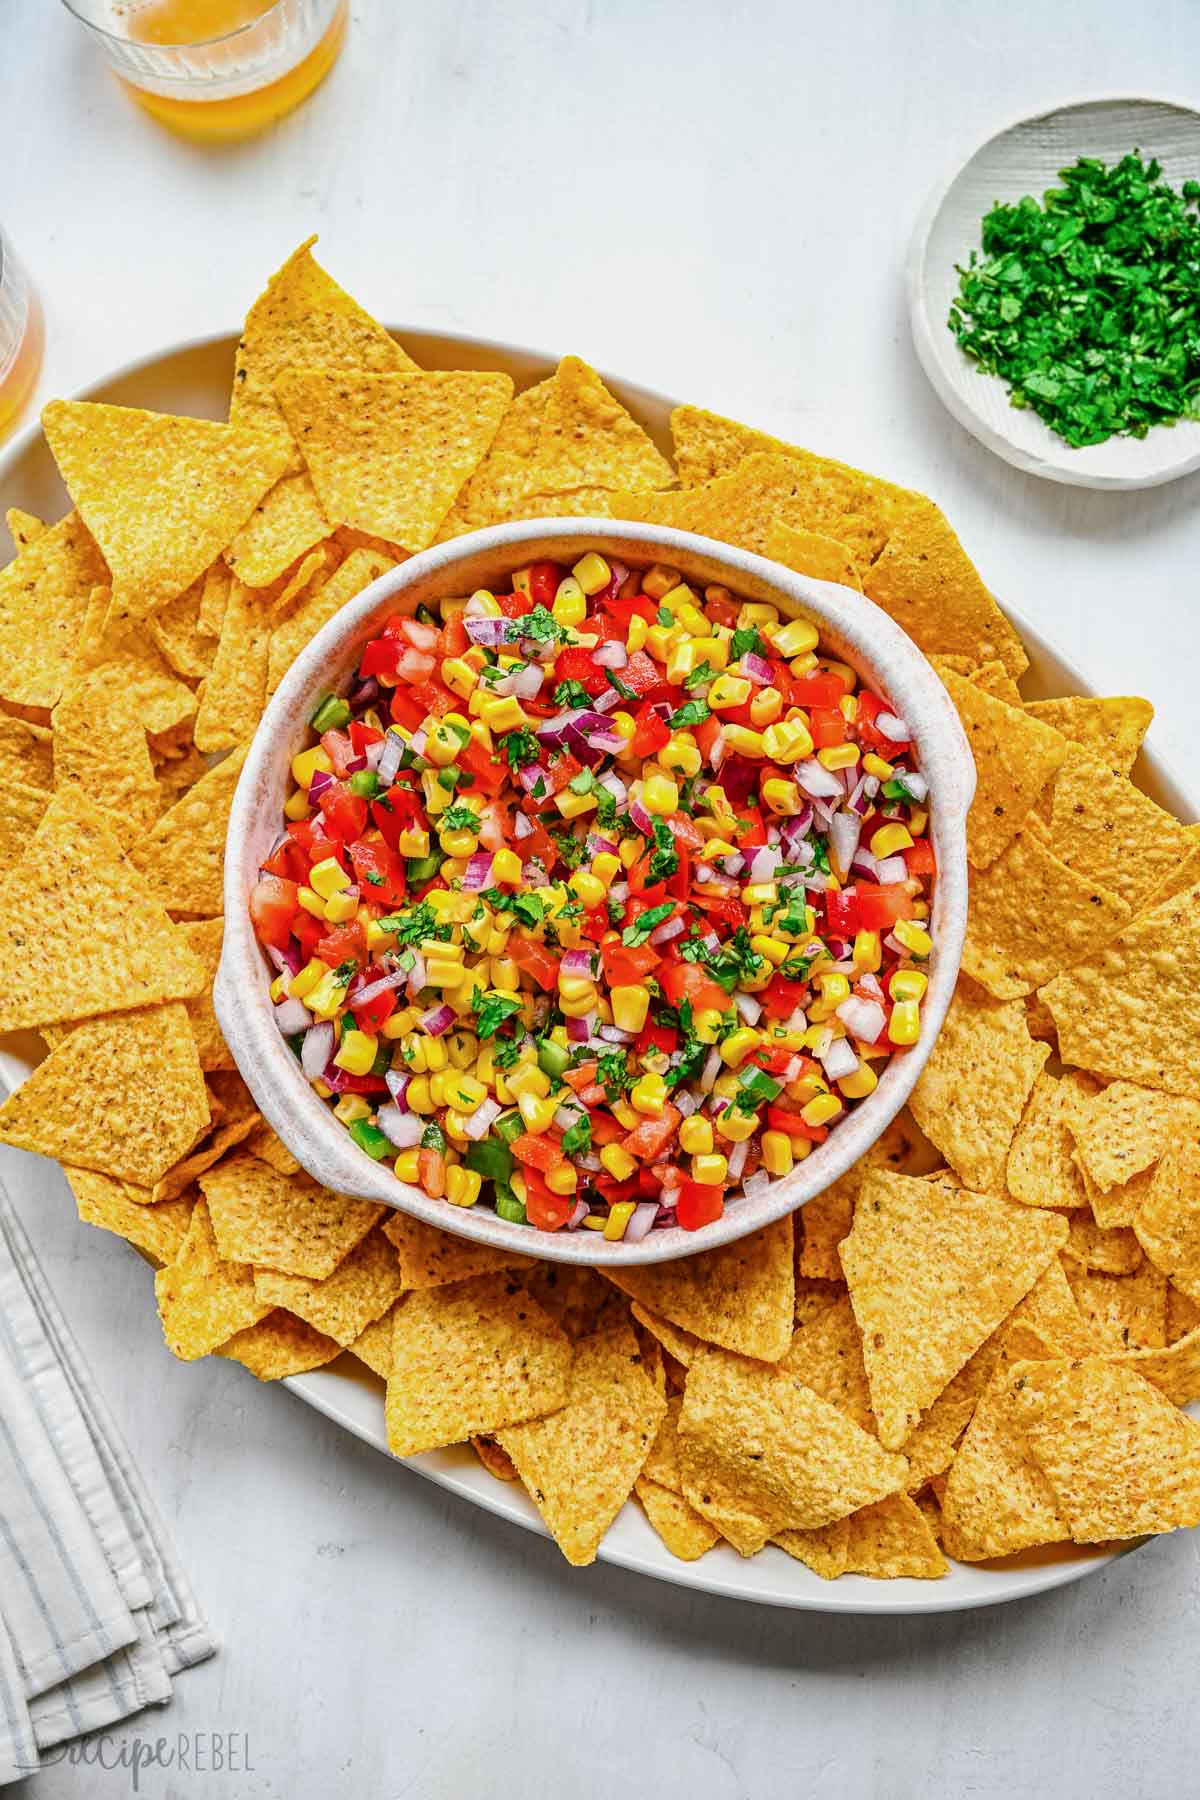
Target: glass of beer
{"points": [[20, 335], [217, 68]]}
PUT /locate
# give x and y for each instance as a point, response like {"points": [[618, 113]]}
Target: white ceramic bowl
{"points": [[859, 632], [1025, 158]]}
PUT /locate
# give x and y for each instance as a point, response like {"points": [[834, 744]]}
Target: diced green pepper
{"points": [[489, 1156], [508, 1207], [423, 868], [368, 1137], [331, 714], [552, 1058], [508, 1127], [367, 783]]}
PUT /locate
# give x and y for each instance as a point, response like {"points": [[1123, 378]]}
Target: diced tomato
{"points": [[635, 606], [679, 883], [431, 1172], [546, 1211], [919, 858], [842, 917], [345, 943], [581, 1076], [406, 710], [624, 967], [615, 1191], [605, 1129], [645, 677], [751, 827], [289, 861], [544, 578], [651, 892], [381, 657], [307, 932], [595, 924], [371, 1015], [340, 751], [533, 959], [781, 997], [576, 664], [650, 731], [436, 698], [379, 873], [273, 905], [684, 832], [362, 736], [697, 1204], [657, 1037], [687, 981], [342, 1082], [771, 1058], [729, 911], [826, 725], [537, 1152], [344, 812], [869, 708], [880, 907], [816, 690], [779, 1119], [651, 1137], [489, 775], [706, 734], [514, 606], [721, 612], [396, 811], [453, 639], [649, 1183]]}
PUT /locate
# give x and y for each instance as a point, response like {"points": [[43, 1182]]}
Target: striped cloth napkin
{"points": [[96, 1614]]}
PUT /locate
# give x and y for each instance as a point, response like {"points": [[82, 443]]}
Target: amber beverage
{"points": [[20, 336]]}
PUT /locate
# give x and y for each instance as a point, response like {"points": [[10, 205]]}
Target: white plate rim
{"points": [[1055, 464], [771, 1578]]}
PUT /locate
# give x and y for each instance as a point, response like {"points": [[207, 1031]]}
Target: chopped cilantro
{"points": [[820, 851], [693, 713], [433, 1138], [506, 1053], [664, 859], [527, 908], [458, 818], [613, 1074], [572, 694], [700, 677], [730, 964], [411, 927], [665, 618], [373, 878], [540, 624], [521, 748], [577, 1138], [640, 930], [572, 850], [745, 640], [491, 1010], [614, 680], [345, 973]]}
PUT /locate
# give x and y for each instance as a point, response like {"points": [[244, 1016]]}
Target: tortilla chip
{"points": [[595, 503], [177, 775], [1133, 1009], [1109, 1252], [679, 1525], [932, 1272], [101, 1200], [303, 319], [506, 473], [926, 582], [1175, 1371], [203, 937], [1015, 756], [43, 595], [1122, 1312], [178, 637], [891, 1540], [1120, 1205], [825, 1551], [995, 679], [101, 755], [1119, 1458], [1168, 1224], [811, 553], [1111, 729], [579, 1301], [470, 1357], [278, 1346], [496, 1461], [234, 693], [342, 1305], [580, 1463], [325, 597], [279, 1222], [123, 1094], [826, 1219], [1041, 1167], [227, 1135], [587, 439], [389, 453], [1031, 917], [202, 1301], [23, 527], [741, 1296], [22, 810], [374, 1343], [826, 1355], [930, 1448], [285, 524], [78, 933], [429, 1257], [972, 1091], [1049, 1310], [183, 857], [682, 1345], [1185, 874], [161, 495], [845, 504], [26, 754], [791, 1454], [812, 1297], [214, 598], [996, 1500], [1126, 1128], [662, 1463], [1183, 1314], [1108, 830], [116, 658], [272, 1150]]}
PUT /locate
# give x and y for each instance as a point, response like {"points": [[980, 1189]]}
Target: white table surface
{"points": [[715, 200]]}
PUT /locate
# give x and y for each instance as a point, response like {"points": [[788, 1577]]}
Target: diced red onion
{"points": [[397, 1086], [568, 1114], [764, 864], [577, 963], [480, 1122], [641, 1221], [606, 702], [612, 784], [287, 961], [478, 872], [755, 1185], [863, 863], [757, 669], [317, 1049], [839, 1060], [818, 782], [418, 741], [711, 942], [737, 1157], [686, 1101], [403, 1130], [619, 890], [291, 1016], [355, 766], [610, 655], [395, 978], [613, 1034], [916, 784], [797, 1021], [489, 632], [321, 779], [416, 975], [870, 786], [863, 1019], [716, 755], [578, 1215], [373, 756], [420, 636], [414, 667], [600, 846], [438, 1020], [838, 947], [666, 1217], [522, 826], [733, 865], [710, 1071], [611, 743], [843, 842], [858, 801], [670, 928], [795, 830], [640, 817], [704, 874], [553, 729], [894, 729], [524, 683], [580, 1030], [871, 984], [363, 694], [748, 1007], [890, 869], [530, 775]]}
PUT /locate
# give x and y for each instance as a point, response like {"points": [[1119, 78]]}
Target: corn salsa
{"points": [[601, 900]]}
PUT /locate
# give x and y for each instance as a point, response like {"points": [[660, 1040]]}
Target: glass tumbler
{"points": [[217, 68], [20, 335]]}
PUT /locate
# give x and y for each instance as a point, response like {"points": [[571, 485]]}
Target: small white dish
{"points": [[859, 632], [1025, 158]]}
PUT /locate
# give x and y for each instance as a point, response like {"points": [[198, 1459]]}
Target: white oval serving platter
{"points": [[195, 378]]}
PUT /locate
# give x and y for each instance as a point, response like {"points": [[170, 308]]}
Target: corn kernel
{"points": [[459, 677], [576, 987], [624, 1114], [766, 706], [735, 1126], [696, 1136], [660, 795], [660, 641], [462, 1185], [787, 742], [875, 765], [904, 1026], [618, 1162], [570, 602], [630, 1006], [573, 806], [562, 1179], [606, 867], [838, 756], [407, 1165], [306, 979], [590, 890], [681, 752], [636, 632], [506, 869], [505, 974], [821, 1110], [341, 907], [356, 1053], [710, 1171], [592, 573], [728, 691], [578, 1008], [796, 638], [618, 1218], [906, 984], [914, 939], [465, 1093], [350, 1108], [864, 1081], [649, 1094], [485, 605], [707, 1024], [783, 797], [296, 806], [889, 839], [538, 1114], [307, 762], [527, 1078], [311, 902], [738, 1045], [503, 712], [777, 1152]]}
